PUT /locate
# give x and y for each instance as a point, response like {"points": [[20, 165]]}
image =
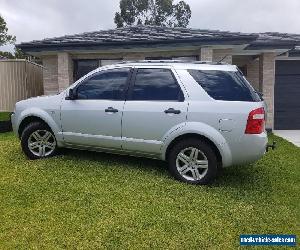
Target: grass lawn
{"points": [[4, 116], [92, 200]]}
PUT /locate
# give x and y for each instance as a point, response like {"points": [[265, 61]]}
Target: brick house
{"points": [[270, 61]]}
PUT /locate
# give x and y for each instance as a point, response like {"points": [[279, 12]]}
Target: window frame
{"points": [[181, 98], [126, 87], [99, 64]]}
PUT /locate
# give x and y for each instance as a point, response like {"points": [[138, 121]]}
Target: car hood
{"points": [[40, 102]]}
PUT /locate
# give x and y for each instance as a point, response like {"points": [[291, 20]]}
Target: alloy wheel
{"points": [[192, 164], [41, 143]]}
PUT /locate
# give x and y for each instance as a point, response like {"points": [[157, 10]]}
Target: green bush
{"points": [[4, 116]]}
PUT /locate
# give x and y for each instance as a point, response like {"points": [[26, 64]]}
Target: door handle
{"points": [[111, 110], [172, 111]]}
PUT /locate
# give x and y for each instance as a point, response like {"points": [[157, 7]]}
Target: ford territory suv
{"points": [[197, 116]]}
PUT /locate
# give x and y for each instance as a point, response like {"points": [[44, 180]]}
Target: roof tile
{"points": [[155, 34], [140, 33]]}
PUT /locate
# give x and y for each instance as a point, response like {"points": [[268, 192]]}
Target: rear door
{"points": [[156, 104]]}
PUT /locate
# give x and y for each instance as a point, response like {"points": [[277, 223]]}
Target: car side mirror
{"points": [[72, 95]]}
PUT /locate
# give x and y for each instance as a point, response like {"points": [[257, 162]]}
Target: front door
{"points": [[154, 107], [94, 117]]}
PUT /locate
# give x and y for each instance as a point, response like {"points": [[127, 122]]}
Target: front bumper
{"points": [[13, 122]]}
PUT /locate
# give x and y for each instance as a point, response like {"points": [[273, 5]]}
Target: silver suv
{"points": [[196, 116]]}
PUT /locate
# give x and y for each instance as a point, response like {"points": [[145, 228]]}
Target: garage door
{"points": [[287, 95]]}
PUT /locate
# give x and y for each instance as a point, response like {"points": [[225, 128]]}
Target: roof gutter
{"points": [[273, 45]]}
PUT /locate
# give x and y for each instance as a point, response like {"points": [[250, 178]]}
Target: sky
{"points": [[37, 19]]}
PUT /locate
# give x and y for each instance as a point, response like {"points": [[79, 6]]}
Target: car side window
{"points": [[106, 85], [156, 85], [225, 85]]}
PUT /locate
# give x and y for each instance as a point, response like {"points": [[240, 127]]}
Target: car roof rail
{"points": [[174, 61]]}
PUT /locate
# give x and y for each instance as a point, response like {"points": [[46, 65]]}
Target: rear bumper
{"points": [[249, 148]]}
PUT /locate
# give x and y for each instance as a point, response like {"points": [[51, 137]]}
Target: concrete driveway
{"points": [[291, 135]]}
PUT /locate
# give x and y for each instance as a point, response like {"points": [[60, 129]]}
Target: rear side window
{"points": [[156, 85], [225, 85]]}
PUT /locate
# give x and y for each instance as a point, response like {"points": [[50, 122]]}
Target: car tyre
{"points": [[38, 141], [193, 161]]}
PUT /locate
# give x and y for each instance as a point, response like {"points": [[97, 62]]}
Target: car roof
{"points": [[179, 64]]}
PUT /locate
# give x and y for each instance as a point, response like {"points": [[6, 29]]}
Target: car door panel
{"points": [[94, 117], [146, 122], [85, 122]]}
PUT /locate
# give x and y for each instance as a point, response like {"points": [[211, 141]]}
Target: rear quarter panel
{"points": [[230, 119]]}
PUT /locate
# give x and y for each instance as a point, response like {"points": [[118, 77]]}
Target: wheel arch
{"points": [[29, 119], [203, 132], [36, 114], [194, 136]]}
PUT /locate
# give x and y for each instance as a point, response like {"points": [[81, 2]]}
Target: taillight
{"points": [[256, 121]]}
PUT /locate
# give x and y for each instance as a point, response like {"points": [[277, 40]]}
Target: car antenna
{"points": [[223, 58]]}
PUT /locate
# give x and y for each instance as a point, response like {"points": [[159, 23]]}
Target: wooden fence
{"points": [[19, 80]]}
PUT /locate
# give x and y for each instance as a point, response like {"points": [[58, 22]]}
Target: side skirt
{"points": [[113, 151]]}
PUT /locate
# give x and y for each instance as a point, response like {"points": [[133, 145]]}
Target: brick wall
{"points": [[253, 73], [225, 54], [206, 54], [65, 70], [267, 81], [134, 56], [50, 74], [252, 67]]}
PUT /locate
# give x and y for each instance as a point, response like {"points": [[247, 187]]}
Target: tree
{"points": [[153, 12], [4, 36], [17, 54], [6, 55]]}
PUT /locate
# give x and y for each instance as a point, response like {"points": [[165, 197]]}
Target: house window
{"points": [[82, 67]]}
